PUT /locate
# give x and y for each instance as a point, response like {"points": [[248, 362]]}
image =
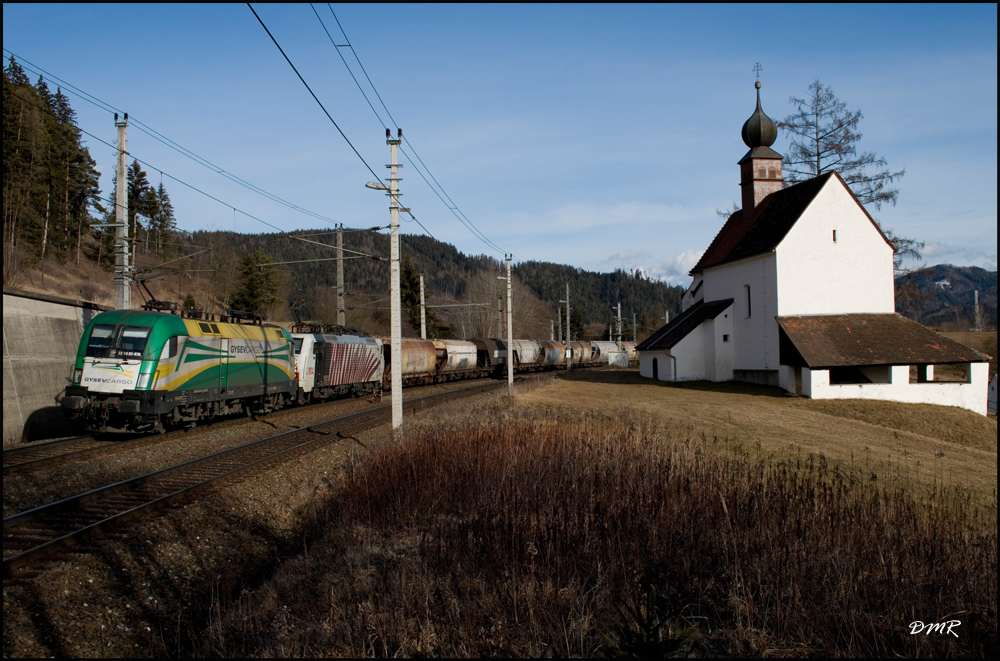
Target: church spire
{"points": [[760, 168]]}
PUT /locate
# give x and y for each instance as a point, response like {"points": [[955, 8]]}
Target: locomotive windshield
{"points": [[117, 342], [298, 345], [100, 341], [132, 341]]}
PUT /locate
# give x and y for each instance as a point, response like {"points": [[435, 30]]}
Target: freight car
{"points": [[146, 371], [334, 365], [141, 371]]}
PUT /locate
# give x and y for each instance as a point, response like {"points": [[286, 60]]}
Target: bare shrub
{"points": [[529, 533]]}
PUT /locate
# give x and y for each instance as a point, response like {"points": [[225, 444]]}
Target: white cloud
{"points": [[943, 253], [672, 270], [629, 256]]}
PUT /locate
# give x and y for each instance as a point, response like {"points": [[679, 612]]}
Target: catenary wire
{"points": [[156, 135], [449, 203], [344, 136], [191, 186]]}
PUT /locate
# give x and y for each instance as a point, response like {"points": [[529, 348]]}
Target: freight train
{"points": [[146, 371]]}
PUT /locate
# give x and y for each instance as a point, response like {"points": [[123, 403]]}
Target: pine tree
{"points": [[50, 181], [163, 223], [258, 283], [409, 295], [142, 201]]}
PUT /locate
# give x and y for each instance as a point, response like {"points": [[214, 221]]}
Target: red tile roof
{"points": [[760, 231]]}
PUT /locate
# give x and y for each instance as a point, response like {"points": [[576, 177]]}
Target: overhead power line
{"points": [[156, 135], [325, 112], [443, 195], [191, 186]]}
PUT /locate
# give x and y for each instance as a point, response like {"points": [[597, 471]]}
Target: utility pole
{"points": [[123, 291], [510, 332], [500, 320], [619, 322], [423, 317], [341, 315], [552, 331], [396, 351], [977, 312], [633, 328], [666, 316], [569, 350]]}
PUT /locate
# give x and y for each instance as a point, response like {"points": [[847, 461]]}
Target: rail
{"points": [[36, 533]]}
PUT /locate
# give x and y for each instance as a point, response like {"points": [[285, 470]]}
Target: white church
{"points": [[796, 290]]}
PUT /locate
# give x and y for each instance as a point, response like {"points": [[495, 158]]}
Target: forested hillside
{"points": [[942, 296], [50, 188], [449, 276], [49, 176]]}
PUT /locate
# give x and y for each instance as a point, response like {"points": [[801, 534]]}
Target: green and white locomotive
{"points": [[140, 371]]}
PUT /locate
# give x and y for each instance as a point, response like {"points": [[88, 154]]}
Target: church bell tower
{"points": [[760, 168]]}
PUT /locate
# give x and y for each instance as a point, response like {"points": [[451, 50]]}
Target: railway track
{"points": [[36, 455], [34, 534], [39, 455]]}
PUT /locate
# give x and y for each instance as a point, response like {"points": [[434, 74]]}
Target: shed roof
{"points": [[687, 321], [854, 340], [760, 231]]}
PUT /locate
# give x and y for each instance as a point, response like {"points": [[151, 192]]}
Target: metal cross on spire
{"points": [[757, 69]]}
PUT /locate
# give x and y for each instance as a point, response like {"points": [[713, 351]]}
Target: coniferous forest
{"points": [[52, 203]]}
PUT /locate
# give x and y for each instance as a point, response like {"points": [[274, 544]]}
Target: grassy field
{"points": [[920, 443], [985, 341], [607, 516], [599, 515]]}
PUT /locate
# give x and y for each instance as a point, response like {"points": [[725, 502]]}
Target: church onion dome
{"points": [[759, 130]]}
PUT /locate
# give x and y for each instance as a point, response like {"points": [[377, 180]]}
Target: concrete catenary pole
{"points": [[569, 351], [619, 322], [977, 312], [341, 315], [510, 332], [123, 292], [423, 311], [559, 325], [395, 317], [633, 328], [552, 331]]}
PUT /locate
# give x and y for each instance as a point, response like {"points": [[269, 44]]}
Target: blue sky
{"points": [[602, 136]]}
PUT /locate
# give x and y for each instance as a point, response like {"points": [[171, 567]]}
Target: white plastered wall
{"points": [[691, 296], [816, 275], [724, 343], [754, 336], [971, 395], [663, 362], [689, 353]]}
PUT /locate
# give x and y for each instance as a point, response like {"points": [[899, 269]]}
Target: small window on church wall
{"points": [[834, 236], [762, 173], [725, 338], [749, 309], [772, 173]]}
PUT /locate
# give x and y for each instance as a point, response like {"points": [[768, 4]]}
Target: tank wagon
{"points": [[140, 371]]}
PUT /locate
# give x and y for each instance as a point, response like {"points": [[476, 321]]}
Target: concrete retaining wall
{"points": [[40, 338]]}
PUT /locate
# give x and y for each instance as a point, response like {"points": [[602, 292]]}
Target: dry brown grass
{"points": [[933, 442], [536, 531], [985, 341]]}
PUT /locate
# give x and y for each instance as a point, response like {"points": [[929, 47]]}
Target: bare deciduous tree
{"points": [[825, 138]]}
